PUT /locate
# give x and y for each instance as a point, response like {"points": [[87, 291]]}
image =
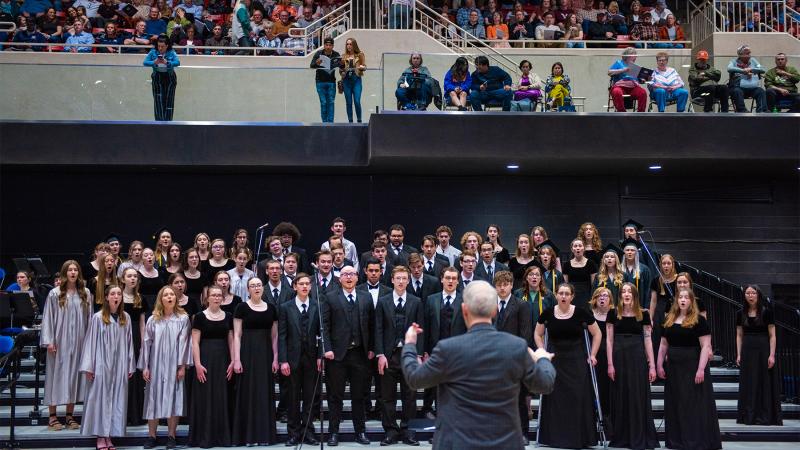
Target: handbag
{"points": [[340, 87]]}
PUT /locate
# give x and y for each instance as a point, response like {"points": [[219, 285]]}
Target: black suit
{"points": [[331, 286], [261, 268], [430, 285], [481, 274], [440, 262], [386, 278], [462, 285], [400, 259], [433, 327], [350, 355], [302, 355], [345, 263], [304, 265], [285, 293], [516, 320], [387, 337], [374, 376]]}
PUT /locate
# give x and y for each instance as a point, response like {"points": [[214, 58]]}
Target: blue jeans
{"points": [[574, 44], [477, 98], [420, 96], [327, 99], [400, 17], [352, 96], [661, 96]]}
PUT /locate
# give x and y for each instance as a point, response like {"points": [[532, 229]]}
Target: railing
{"points": [[741, 15], [703, 19], [583, 44], [331, 25], [724, 300]]}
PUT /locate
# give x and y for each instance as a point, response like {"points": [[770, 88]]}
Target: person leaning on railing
{"points": [[704, 83], [112, 38], [163, 59]]}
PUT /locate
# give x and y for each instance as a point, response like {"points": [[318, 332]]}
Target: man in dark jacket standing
{"points": [[489, 83], [326, 61]]}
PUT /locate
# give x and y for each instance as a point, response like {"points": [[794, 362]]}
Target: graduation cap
{"points": [[612, 248], [113, 237], [158, 233], [634, 224], [627, 242], [549, 243]]}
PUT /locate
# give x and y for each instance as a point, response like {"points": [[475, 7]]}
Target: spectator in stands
{"points": [[176, 26], [549, 30], [29, 35], [753, 23], [636, 15], [616, 18], [107, 12], [563, 11], [112, 38], [457, 82], [308, 5], [573, 32], [283, 5], [292, 46], [623, 82], [520, 28], [280, 29], [400, 14], [474, 26], [511, 15], [142, 10], [78, 40], [69, 22], [139, 37], [659, 15], [325, 78], [190, 40], [781, 83], [530, 87], [49, 25], [90, 7], [217, 40], [489, 84], [704, 83], [258, 24], [164, 9], [444, 26], [353, 65], [488, 12], [498, 31], [219, 7], [306, 20], [163, 59], [602, 30], [193, 12], [644, 30], [242, 31], [34, 8], [154, 26], [83, 17], [545, 6], [667, 85], [671, 31], [465, 13], [557, 87], [414, 85], [744, 75], [587, 14], [9, 10]]}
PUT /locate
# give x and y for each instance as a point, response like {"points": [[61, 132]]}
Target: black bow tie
{"points": [[373, 287]]}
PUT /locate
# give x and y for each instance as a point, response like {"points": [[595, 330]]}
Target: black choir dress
{"points": [[581, 279], [209, 419], [595, 256], [629, 395], [690, 412], [194, 286], [572, 399], [254, 405], [148, 289], [518, 270], [209, 271], [136, 382], [664, 293], [503, 256], [759, 386], [230, 308]]}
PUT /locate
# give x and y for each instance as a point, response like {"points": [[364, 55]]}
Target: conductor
{"points": [[478, 375]]}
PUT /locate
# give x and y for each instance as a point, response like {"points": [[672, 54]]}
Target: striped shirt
{"points": [[668, 77]]}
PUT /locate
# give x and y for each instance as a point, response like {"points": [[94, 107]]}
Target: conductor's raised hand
{"points": [[411, 334], [539, 354]]}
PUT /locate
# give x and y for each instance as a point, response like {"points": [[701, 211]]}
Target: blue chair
{"points": [[2, 276]]}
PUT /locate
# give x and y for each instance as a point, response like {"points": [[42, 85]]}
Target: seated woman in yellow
{"points": [[557, 87]]}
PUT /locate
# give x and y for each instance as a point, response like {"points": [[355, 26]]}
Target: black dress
{"points": [[502, 256], [595, 256], [581, 279], [690, 412], [759, 386], [209, 271], [518, 270], [572, 399], [601, 371], [148, 289], [136, 382], [209, 420], [629, 394], [254, 405], [230, 308], [664, 294], [194, 286]]}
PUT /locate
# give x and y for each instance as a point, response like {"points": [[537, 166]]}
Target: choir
{"points": [[207, 332]]}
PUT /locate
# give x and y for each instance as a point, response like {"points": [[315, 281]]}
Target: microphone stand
{"points": [[320, 373], [598, 409], [541, 398], [260, 236]]}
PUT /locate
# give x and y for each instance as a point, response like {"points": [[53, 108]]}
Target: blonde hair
{"points": [[661, 277], [599, 291], [692, 313], [637, 307], [602, 276], [102, 276], [468, 234], [158, 310], [105, 310], [517, 254], [80, 285], [597, 243]]}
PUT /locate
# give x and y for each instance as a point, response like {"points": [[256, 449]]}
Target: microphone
{"points": [[263, 226]]}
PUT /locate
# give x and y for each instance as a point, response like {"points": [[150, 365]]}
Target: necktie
{"points": [[275, 295], [447, 301], [419, 285], [304, 309], [290, 277], [502, 309], [466, 282], [430, 266], [400, 303], [350, 298], [286, 252], [324, 283], [489, 272]]}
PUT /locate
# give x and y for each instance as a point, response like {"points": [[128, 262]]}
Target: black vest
{"points": [[445, 318]]}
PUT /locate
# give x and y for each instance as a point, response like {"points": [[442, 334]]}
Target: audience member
{"points": [[414, 85], [353, 65], [644, 30], [78, 40], [49, 26], [193, 12], [498, 31], [667, 85], [529, 90], [457, 82], [474, 27], [545, 6], [753, 23], [659, 14], [190, 40], [602, 30], [9, 9], [573, 32], [164, 9], [112, 38], [325, 78], [139, 37], [178, 23], [400, 14], [520, 28], [549, 30], [488, 12], [90, 7], [744, 73], [563, 11], [309, 5], [623, 82], [511, 15], [107, 12], [29, 35], [671, 31], [587, 14], [217, 39], [154, 26], [616, 18], [465, 13], [704, 83], [781, 83], [163, 59], [636, 15], [240, 25], [489, 83], [557, 87], [283, 5]]}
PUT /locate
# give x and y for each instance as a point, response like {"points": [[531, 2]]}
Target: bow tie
{"points": [[373, 287]]}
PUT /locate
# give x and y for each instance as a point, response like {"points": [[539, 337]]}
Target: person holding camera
{"points": [[163, 59], [413, 86]]}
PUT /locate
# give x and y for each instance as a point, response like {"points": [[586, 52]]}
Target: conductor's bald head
{"points": [[480, 303]]}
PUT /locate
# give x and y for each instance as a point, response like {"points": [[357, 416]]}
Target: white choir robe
{"points": [[166, 344]]}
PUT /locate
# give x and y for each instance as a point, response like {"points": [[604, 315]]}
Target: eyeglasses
{"points": [[347, 274]]}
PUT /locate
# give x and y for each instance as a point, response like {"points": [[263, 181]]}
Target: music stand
{"points": [[22, 307], [39, 268], [22, 265], [6, 316]]}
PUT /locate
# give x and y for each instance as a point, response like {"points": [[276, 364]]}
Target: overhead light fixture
{"points": [[655, 167], [512, 166]]}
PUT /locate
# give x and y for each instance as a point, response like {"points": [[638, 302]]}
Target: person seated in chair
{"points": [[644, 30], [414, 85], [781, 83], [489, 83], [744, 73], [667, 85], [623, 82], [602, 30], [704, 83]]}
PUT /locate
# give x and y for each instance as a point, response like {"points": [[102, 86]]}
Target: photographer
{"points": [[326, 61], [414, 85], [163, 59]]}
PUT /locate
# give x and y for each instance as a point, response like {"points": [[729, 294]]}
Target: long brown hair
{"points": [[105, 310], [637, 307], [517, 254], [526, 288], [80, 285], [356, 49], [158, 310], [102, 277], [137, 298], [597, 243], [692, 313], [661, 282]]}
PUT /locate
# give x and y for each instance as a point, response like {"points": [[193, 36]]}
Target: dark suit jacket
{"points": [[337, 322], [477, 409], [382, 290], [286, 293], [402, 258], [480, 271], [384, 322], [289, 334], [430, 285], [516, 320], [386, 278], [304, 265], [433, 307], [333, 286], [440, 262]]}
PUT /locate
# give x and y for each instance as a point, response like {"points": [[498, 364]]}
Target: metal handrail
{"points": [[8, 27], [588, 44]]}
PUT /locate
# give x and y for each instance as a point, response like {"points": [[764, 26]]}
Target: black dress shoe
{"points": [[150, 442], [361, 438], [171, 443], [430, 415], [525, 441], [333, 439], [410, 441], [292, 442], [388, 440], [311, 440]]}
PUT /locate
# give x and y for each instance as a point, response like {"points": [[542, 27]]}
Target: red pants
{"points": [[636, 92]]}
